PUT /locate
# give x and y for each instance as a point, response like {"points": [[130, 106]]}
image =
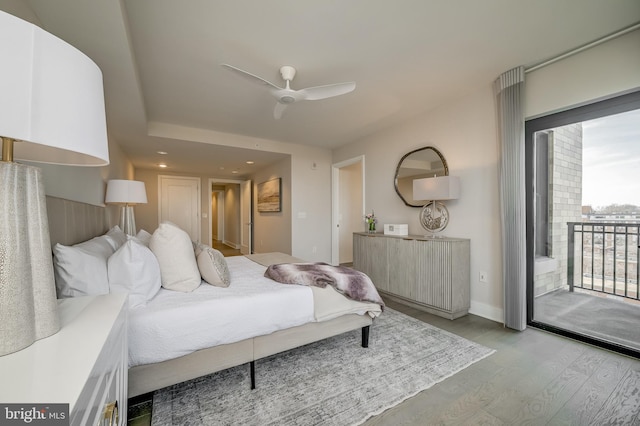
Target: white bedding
{"points": [[174, 324]]}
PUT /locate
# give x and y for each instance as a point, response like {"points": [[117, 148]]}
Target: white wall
{"points": [[21, 9], [310, 184], [465, 132]]}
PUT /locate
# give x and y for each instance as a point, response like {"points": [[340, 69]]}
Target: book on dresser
{"points": [[431, 274]]}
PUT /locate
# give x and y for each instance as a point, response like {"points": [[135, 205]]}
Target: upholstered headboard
{"points": [[71, 222]]}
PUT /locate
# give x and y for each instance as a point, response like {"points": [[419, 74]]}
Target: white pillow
{"points": [[144, 237], [81, 269], [174, 252], [213, 266], [135, 270], [117, 236]]}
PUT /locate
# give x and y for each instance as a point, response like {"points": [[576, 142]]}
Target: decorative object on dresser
{"points": [[84, 365], [417, 164], [371, 220], [426, 273], [128, 193], [434, 216], [52, 111], [396, 229]]}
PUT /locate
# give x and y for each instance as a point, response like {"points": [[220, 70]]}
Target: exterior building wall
{"points": [[565, 193]]}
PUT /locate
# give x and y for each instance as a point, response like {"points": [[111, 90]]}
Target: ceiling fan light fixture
{"points": [[286, 99]]}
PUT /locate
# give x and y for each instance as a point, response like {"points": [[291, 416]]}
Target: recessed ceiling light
{"points": [[162, 165], [162, 152], [234, 172], [221, 168], [250, 162]]}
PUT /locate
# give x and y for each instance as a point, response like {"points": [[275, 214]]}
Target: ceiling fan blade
{"points": [[278, 110], [328, 91], [250, 76]]}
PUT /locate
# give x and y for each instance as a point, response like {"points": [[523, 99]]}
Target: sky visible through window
{"points": [[611, 160]]}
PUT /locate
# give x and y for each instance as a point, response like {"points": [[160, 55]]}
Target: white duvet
{"points": [[174, 324]]}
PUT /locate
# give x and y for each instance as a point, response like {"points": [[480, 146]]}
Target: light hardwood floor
{"points": [[534, 378], [224, 249]]}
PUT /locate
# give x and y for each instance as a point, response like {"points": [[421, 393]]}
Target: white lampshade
{"points": [[436, 188], [126, 192], [51, 111], [52, 98]]}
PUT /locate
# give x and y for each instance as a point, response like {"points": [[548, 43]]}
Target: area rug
{"points": [[331, 382]]}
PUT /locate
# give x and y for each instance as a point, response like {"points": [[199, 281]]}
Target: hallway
{"points": [[224, 249]]}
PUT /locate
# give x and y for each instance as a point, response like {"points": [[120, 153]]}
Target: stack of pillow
{"points": [[138, 265]]}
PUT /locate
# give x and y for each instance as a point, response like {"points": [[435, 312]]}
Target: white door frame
{"points": [[335, 203], [199, 209], [236, 181]]}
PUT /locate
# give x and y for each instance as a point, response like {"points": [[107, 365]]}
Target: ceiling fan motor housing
{"points": [[287, 72]]}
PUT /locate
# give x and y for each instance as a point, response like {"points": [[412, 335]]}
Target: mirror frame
{"points": [[395, 177]]}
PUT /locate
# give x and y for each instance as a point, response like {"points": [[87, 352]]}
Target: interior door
{"points": [[246, 216], [348, 207], [180, 203]]}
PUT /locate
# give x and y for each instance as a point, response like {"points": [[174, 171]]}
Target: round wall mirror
{"points": [[418, 164]]}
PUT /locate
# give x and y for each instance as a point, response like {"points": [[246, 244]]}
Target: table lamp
{"points": [[434, 216], [52, 111], [128, 193]]}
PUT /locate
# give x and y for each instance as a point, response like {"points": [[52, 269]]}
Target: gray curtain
{"points": [[509, 89]]}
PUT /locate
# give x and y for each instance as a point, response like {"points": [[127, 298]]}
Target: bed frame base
{"points": [[149, 377], [252, 364], [252, 371]]}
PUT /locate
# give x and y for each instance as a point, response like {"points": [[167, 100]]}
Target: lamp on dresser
{"points": [[128, 193], [434, 216], [51, 111]]}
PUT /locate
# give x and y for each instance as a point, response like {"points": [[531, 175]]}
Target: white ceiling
{"points": [[161, 64]]}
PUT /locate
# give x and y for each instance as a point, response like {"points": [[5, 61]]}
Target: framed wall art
{"points": [[269, 196]]}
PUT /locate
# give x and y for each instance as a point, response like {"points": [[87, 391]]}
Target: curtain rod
{"points": [[583, 47]]}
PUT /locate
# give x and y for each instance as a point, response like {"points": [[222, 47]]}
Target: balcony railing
{"points": [[604, 257]]}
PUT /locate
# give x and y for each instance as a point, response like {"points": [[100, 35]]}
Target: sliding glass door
{"points": [[583, 223]]}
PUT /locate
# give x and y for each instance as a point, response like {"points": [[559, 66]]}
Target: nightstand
{"points": [[84, 364]]}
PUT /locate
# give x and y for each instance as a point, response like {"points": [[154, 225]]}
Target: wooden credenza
{"points": [[83, 365], [431, 274]]}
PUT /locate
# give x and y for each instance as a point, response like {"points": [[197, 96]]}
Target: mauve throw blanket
{"points": [[353, 284]]}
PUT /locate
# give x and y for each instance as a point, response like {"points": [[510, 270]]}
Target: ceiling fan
{"points": [[286, 95]]}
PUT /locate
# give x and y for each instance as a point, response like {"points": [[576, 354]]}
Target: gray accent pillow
{"points": [[213, 266]]}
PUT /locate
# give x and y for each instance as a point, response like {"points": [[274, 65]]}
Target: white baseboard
{"points": [[232, 245], [487, 311]]}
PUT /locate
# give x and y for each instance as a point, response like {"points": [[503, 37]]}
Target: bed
{"points": [[319, 313]]}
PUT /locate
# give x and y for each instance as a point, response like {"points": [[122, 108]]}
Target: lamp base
{"points": [[434, 217], [128, 220], [28, 305]]}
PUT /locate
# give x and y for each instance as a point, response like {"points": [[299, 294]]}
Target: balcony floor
{"points": [[605, 318]]}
